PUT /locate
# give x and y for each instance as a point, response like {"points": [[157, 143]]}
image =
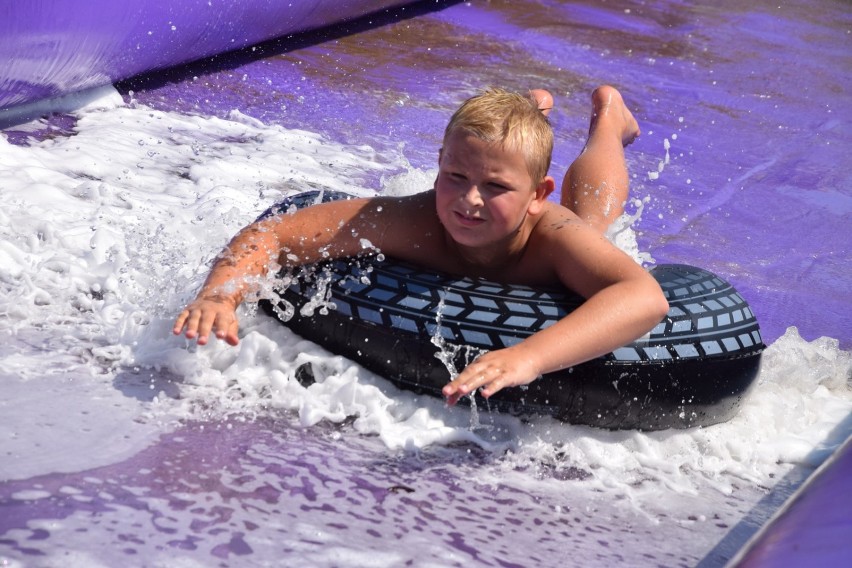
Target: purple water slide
{"points": [[813, 526], [51, 47]]}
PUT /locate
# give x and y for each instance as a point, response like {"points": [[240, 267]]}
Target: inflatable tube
{"points": [[403, 322], [54, 47]]}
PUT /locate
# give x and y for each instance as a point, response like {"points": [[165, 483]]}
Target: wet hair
{"points": [[511, 119]]}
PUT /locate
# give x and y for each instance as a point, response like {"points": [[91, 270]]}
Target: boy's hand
{"points": [[494, 370], [204, 315]]}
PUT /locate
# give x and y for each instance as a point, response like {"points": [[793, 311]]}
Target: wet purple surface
{"points": [[51, 48], [269, 489], [809, 527], [757, 190]]}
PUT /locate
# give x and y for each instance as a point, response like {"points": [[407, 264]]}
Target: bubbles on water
{"points": [[318, 279], [623, 235], [661, 165], [455, 358], [808, 366], [408, 182]]}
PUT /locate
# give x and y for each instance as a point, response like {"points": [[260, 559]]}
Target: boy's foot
{"points": [[597, 185], [608, 107], [544, 100]]}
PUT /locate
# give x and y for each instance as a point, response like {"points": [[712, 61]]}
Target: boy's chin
{"points": [[467, 240]]}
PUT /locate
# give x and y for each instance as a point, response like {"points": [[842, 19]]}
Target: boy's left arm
{"points": [[623, 303]]}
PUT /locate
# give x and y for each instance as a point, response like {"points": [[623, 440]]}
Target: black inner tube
{"points": [[408, 324]]}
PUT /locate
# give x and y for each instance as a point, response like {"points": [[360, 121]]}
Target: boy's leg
{"points": [[596, 185]]}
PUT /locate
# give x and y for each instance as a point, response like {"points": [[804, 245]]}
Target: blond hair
{"points": [[510, 119]]}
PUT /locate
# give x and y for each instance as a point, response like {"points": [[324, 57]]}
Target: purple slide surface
{"points": [[770, 208], [51, 48]]}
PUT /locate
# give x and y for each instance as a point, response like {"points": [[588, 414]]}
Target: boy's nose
{"points": [[472, 195]]}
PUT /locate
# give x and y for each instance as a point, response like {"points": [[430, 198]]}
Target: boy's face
{"points": [[483, 192]]}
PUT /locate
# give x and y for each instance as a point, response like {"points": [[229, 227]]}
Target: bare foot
{"points": [[544, 100], [596, 185], [608, 107]]}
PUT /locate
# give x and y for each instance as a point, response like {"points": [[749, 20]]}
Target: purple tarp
{"points": [[806, 532], [775, 222], [50, 48]]}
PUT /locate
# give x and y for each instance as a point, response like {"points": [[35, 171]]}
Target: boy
{"points": [[487, 216]]}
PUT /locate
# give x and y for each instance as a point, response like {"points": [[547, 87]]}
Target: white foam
{"points": [[26, 117], [622, 232]]}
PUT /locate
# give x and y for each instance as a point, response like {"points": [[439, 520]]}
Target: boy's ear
{"points": [[440, 155], [542, 191]]}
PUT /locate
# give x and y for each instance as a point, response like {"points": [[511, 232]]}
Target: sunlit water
{"points": [[124, 444]]}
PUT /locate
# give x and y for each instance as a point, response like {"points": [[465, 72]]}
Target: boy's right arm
{"points": [[248, 256], [330, 230]]}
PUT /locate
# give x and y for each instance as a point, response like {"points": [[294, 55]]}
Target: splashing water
{"points": [[622, 234], [455, 358]]}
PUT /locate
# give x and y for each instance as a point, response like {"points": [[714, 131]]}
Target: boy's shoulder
{"points": [[407, 225], [388, 204], [559, 229], [554, 218]]}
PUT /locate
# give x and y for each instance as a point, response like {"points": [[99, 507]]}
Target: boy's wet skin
{"points": [[596, 186], [611, 127]]}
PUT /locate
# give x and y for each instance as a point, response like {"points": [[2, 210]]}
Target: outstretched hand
{"points": [[493, 371], [209, 314]]}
